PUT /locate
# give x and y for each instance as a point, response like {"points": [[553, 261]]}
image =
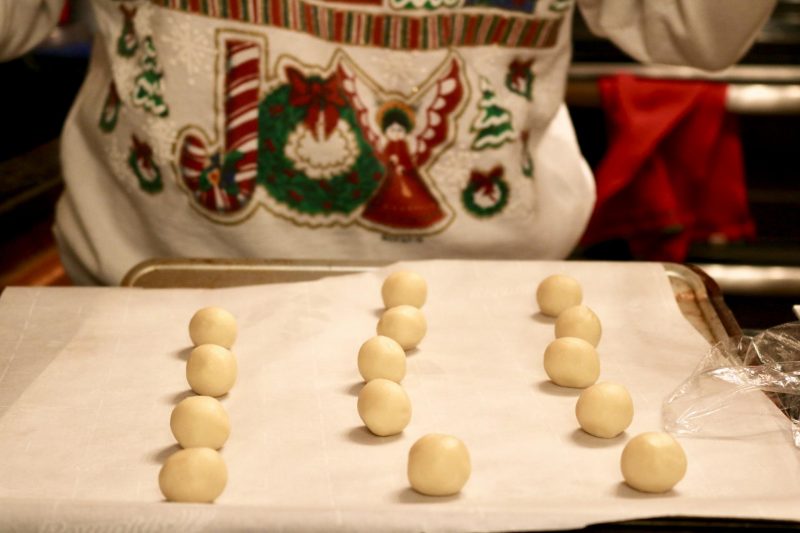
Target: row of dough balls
{"points": [[200, 424], [438, 464], [650, 462], [383, 403]]}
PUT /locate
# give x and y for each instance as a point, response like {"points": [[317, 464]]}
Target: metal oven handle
{"points": [[773, 90]]}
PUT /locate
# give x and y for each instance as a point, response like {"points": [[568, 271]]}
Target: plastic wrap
{"points": [[717, 399]]}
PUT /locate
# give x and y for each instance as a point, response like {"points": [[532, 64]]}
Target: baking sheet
{"points": [[698, 295], [88, 378]]}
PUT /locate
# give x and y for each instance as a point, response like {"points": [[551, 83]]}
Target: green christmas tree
{"points": [[147, 90], [493, 124], [559, 6], [426, 4]]}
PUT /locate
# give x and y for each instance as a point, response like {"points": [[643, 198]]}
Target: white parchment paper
{"points": [[88, 378]]}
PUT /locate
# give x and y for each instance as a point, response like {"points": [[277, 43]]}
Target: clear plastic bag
{"points": [[716, 399]]}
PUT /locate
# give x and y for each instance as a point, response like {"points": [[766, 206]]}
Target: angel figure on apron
{"points": [[412, 134]]}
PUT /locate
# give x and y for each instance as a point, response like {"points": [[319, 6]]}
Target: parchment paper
{"points": [[88, 378]]}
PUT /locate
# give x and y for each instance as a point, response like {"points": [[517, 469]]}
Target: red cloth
{"points": [[66, 13], [673, 172]]}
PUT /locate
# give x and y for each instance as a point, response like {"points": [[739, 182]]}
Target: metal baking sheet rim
{"points": [[697, 294]]}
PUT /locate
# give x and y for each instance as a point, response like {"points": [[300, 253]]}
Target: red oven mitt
{"points": [[673, 172]]}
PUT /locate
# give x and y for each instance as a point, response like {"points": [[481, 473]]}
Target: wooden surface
{"points": [[31, 258], [30, 185]]}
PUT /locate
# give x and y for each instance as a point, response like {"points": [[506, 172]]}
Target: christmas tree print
{"points": [[423, 4], [147, 90], [493, 124], [559, 6]]}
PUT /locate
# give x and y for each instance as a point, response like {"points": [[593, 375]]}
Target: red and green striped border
{"points": [[385, 30]]}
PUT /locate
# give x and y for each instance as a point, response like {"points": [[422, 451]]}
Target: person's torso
{"points": [[317, 128]]}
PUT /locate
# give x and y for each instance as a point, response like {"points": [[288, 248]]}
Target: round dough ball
{"points": [[211, 370], [382, 357], [571, 362], [556, 293], [384, 407], [200, 422], [405, 323], [438, 465], [653, 462], [213, 325], [404, 288], [604, 410], [196, 475], [579, 321]]}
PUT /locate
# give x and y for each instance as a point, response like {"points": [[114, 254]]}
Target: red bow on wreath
{"points": [[321, 97], [143, 151], [485, 183], [519, 69]]}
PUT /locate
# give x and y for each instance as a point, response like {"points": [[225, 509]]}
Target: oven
{"points": [[760, 277]]}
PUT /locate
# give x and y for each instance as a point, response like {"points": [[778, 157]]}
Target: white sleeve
{"points": [[25, 23], [707, 34]]}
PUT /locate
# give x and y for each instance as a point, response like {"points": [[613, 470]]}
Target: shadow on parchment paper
{"points": [[378, 312], [548, 387], [622, 490], [361, 435], [583, 439], [542, 318], [25, 367], [174, 399], [354, 389], [409, 495], [161, 455], [183, 354]]}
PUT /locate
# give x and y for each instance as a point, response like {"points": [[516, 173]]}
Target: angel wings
{"points": [[429, 115], [407, 139]]}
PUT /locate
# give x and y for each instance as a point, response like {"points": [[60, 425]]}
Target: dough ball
{"points": [[200, 422], [604, 410], [438, 465], [382, 357], [211, 370], [653, 462], [213, 325], [571, 362], [579, 321], [194, 475], [404, 288], [405, 323], [556, 293], [384, 407]]}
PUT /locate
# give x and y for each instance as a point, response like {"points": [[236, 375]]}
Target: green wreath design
{"points": [[342, 193], [468, 197], [109, 115], [124, 47], [151, 186]]}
